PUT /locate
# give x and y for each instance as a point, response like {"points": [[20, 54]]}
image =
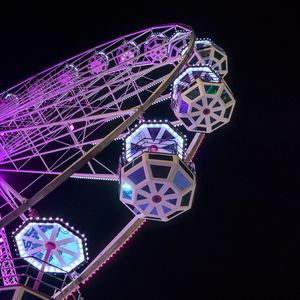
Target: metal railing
{"points": [[49, 284], [163, 146]]}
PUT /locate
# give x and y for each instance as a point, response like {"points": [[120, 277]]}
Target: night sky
{"points": [[241, 238]]}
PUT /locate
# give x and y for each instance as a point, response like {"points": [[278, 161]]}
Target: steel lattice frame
{"points": [[51, 122], [9, 200], [8, 271], [47, 123]]}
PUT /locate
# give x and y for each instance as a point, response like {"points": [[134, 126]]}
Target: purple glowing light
{"points": [[125, 56], [2, 154], [67, 75], [36, 90], [184, 107], [127, 53], [98, 63], [54, 96], [156, 49]]}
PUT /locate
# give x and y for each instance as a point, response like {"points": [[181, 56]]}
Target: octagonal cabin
{"points": [[156, 183], [201, 99], [207, 52]]}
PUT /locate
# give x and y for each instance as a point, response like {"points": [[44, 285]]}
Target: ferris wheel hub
{"points": [[50, 246], [206, 111], [156, 198]]}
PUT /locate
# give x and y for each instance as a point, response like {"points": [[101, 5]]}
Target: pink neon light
{"points": [[108, 259], [113, 254], [202, 138], [153, 148], [96, 66]]}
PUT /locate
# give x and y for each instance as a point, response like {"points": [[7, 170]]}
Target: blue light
{"points": [[127, 194], [166, 209], [154, 211], [144, 206], [184, 107], [180, 181], [127, 191], [137, 176], [68, 250]]}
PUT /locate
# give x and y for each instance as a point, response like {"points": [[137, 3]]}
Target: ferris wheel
{"points": [[55, 125]]}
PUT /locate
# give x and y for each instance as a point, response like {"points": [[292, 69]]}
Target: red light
{"points": [[206, 111], [153, 148], [156, 199]]}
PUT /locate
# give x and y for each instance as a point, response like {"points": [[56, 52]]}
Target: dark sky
{"points": [[241, 239]]}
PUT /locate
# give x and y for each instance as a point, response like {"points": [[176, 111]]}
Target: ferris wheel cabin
{"points": [[156, 183], [201, 99], [50, 251]]}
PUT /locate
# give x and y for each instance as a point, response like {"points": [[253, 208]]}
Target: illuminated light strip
{"points": [[94, 178], [61, 295], [114, 253], [199, 144]]}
